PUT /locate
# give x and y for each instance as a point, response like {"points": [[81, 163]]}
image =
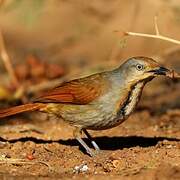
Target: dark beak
{"points": [[160, 71]]}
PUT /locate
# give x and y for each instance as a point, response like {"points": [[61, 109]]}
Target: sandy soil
{"points": [[147, 145]]}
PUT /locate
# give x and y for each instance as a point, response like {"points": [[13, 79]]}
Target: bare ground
{"points": [[147, 145]]}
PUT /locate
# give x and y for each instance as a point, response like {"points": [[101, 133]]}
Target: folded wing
{"points": [[79, 91]]}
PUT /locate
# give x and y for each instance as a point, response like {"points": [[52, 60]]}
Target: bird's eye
{"points": [[139, 67]]}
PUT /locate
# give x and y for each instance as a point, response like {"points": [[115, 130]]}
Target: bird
{"points": [[97, 102]]}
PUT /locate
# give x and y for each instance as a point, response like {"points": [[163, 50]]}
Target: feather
{"points": [[78, 91], [20, 109]]}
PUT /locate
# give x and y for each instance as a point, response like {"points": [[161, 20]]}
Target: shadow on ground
{"points": [[104, 142]]}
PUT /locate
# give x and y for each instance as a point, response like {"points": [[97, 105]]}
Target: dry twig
{"points": [[8, 65], [7, 62], [173, 75], [157, 34]]}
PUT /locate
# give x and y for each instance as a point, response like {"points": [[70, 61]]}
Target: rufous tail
{"points": [[20, 109]]}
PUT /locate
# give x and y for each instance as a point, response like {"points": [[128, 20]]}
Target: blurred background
{"points": [[81, 33]]}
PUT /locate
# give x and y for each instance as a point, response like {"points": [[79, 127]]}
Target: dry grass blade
{"points": [[46, 85], [5, 160]]}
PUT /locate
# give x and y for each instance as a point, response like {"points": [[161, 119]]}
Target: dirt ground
{"points": [[146, 146], [79, 36]]}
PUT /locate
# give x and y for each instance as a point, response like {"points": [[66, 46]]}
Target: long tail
{"points": [[20, 109]]}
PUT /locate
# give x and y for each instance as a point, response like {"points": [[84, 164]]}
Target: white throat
{"points": [[133, 99]]}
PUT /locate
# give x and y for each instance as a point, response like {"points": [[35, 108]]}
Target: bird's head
{"points": [[138, 69]]}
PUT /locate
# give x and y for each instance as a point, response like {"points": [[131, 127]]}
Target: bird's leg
{"points": [[91, 139], [77, 134]]}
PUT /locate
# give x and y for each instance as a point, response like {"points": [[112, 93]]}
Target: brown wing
{"points": [[79, 91]]}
